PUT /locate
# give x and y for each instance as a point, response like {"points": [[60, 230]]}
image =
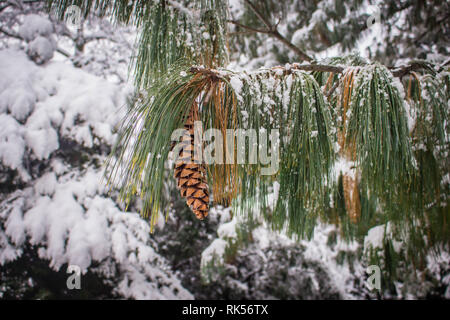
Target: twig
{"points": [[63, 52], [210, 72], [259, 15], [442, 66], [16, 36], [317, 67], [248, 27], [291, 46], [400, 72], [238, 33], [10, 34], [5, 6], [273, 31], [329, 93]]}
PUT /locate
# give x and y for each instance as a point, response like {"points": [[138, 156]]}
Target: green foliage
{"points": [[377, 126], [153, 119], [409, 29], [170, 31], [359, 115], [171, 34], [294, 104]]}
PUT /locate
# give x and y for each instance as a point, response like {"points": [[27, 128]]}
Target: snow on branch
{"points": [[398, 72]]}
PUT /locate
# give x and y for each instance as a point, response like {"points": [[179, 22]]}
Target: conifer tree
{"points": [[362, 143]]}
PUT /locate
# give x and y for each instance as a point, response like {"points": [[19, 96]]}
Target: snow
{"points": [[222, 214], [438, 264], [228, 230], [16, 94], [177, 5], [46, 184], [34, 26], [214, 253], [340, 274], [345, 167], [12, 144], [73, 223], [52, 100], [317, 249], [65, 211], [41, 50], [14, 229], [377, 235], [42, 142], [300, 34], [274, 195], [237, 85], [206, 35]]}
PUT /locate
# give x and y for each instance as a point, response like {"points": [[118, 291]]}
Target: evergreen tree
{"points": [[362, 144], [54, 210]]}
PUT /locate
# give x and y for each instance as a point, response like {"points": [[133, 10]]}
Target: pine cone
{"points": [[191, 176]]}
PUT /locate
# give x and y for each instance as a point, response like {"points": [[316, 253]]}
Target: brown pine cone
{"points": [[191, 176]]}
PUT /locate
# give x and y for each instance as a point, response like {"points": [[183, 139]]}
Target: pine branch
{"points": [[273, 31], [291, 46], [63, 52], [237, 23], [398, 72], [4, 7], [209, 72], [284, 70], [259, 15], [317, 67], [11, 34]]}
